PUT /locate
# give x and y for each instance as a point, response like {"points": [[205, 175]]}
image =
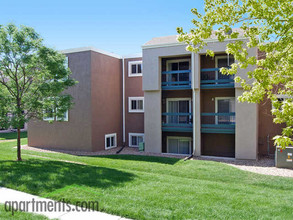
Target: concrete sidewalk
{"points": [[7, 195]]}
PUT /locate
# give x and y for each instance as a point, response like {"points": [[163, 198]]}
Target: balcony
{"points": [[212, 78], [176, 80], [223, 123], [179, 122]]}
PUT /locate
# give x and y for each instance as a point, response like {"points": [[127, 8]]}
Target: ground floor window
{"points": [[110, 141], [179, 145], [135, 139]]}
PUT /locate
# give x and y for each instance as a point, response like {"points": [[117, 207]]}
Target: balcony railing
{"points": [[176, 80], [180, 122], [218, 123], [213, 78]]}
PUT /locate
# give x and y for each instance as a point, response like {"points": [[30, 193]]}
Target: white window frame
{"points": [[177, 61], [216, 62], [130, 63], [216, 105], [130, 135], [66, 62], [109, 136], [179, 99], [179, 138], [130, 99], [281, 96], [65, 119]]}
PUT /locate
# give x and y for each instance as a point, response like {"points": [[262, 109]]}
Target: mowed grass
{"points": [[12, 135], [17, 215], [142, 187]]}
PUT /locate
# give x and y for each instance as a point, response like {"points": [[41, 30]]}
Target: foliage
{"points": [[266, 25], [33, 77]]}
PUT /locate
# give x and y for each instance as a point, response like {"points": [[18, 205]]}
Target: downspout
{"points": [[123, 108], [193, 102], [123, 100]]}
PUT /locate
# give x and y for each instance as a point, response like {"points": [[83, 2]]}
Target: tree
{"points": [[268, 26], [33, 78]]}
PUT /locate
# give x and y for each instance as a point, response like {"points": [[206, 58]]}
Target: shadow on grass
{"points": [[41, 176], [141, 158], [12, 135]]}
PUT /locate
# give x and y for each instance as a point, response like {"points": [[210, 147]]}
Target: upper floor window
{"points": [[135, 68], [136, 104]]}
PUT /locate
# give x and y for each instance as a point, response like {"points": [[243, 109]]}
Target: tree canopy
{"points": [[266, 25], [33, 78]]}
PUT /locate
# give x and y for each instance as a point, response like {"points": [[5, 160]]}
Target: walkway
{"points": [[14, 195]]}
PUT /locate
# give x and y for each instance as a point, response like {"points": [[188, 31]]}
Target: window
{"points": [[135, 68], [178, 65], [110, 141], [51, 118], [66, 62], [179, 145], [135, 139], [223, 61], [136, 104], [225, 105], [281, 99], [179, 106]]}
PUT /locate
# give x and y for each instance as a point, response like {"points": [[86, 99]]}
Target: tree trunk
{"points": [[18, 145]]}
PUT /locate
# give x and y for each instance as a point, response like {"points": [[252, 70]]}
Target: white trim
{"points": [[179, 138], [109, 136], [130, 110], [184, 44], [130, 63], [216, 105], [138, 55], [177, 61], [123, 100], [219, 57], [130, 138], [82, 49], [65, 119]]}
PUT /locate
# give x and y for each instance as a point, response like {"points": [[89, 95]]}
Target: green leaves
{"points": [[30, 73], [266, 25]]}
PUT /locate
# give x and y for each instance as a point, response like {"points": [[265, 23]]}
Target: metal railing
{"points": [[218, 122], [213, 78], [177, 121], [175, 80]]}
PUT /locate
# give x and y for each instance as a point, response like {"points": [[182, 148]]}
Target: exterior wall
{"points": [[222, 145], [153, 121], [76, 133], [246, 136], [134, 122], [267, 129], [106, 84]]}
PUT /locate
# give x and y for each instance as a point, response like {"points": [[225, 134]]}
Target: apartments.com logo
{"points": [[62, 205]]}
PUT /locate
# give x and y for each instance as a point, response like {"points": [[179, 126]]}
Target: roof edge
{"points": [[83, 49]]}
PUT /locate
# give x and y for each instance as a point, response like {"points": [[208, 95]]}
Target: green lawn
{"points": [[13, 135], [19, 215], [143, 187]]}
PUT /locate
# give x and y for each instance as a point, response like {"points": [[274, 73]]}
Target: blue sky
{"points": [[116, 26]]}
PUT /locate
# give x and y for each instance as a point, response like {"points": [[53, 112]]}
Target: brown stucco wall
{"points": [[218, 145], [134, 122], [267, 129], [106, 83], [76, 133], [208, 98]]}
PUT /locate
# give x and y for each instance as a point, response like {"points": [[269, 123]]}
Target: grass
{"points": [[7, 215], [12, 135], [142, 187]]}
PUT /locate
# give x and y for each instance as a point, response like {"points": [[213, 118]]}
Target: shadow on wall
{"points": [[151, 159], [38, 176]]}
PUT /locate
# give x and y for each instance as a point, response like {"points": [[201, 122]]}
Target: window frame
{"points": [[130, 135], [130, 63], [130, 99], [216, 106], [179, 138], [109, 136]]}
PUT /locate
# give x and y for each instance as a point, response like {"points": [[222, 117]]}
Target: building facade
{"points": [[191, 108], [175, 101], [100, 118]]}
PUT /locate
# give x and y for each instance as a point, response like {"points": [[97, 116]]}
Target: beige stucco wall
{"points": [[76, 133], [246, 136], [152, 121]]}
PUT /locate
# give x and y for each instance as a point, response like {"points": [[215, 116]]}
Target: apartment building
{"points": [[191, 108], [175, 101], [108, 109]]}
